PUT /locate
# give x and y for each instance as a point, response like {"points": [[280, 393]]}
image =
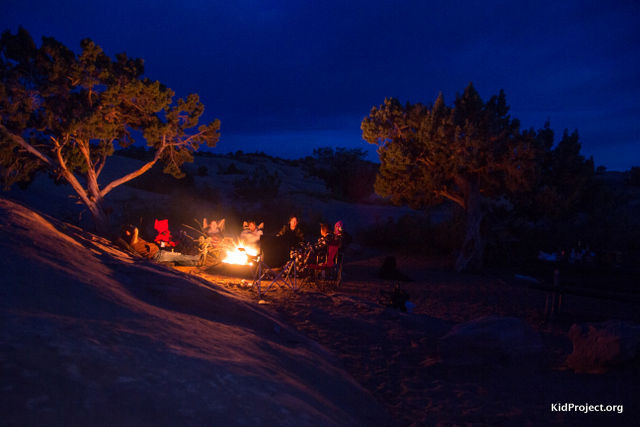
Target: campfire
{"points": [[239, 254]]}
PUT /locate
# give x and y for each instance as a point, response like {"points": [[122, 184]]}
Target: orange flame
{"points": [[239, 254]]}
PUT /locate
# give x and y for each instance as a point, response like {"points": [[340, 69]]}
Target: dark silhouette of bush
{"points": [[202, 171], [632, 176], [344, 171], [414, 233], [261, 185], [232, 169]]}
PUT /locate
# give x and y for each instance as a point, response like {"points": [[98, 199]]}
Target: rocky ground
{"points": [[394, 354]]}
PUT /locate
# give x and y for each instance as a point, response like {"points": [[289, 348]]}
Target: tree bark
{"points": [[470, 257], [100, 218], [91, 198], [96, 206]]}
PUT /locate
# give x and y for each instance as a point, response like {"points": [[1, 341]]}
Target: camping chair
{"points": [[327, 274], [163, 239], [274, 265]]}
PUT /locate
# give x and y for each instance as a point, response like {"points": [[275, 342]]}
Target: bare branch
{"points": [[30, 148], [459, 200], [71, 179], [113, 184], [100, 164]]}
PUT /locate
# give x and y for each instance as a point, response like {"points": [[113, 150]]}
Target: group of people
{"points": [[313, 252], [250, 236]]}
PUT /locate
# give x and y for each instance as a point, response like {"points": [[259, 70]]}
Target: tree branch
{"points": [[459, 200], [30, 148], [71, 179], [113, 184], [100, 164], [86, 153], [426, 161]]}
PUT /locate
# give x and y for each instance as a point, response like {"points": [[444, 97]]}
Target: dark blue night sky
{"points": [[288, 76]]}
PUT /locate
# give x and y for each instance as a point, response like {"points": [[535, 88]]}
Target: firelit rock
{"points": [[597, 347]]}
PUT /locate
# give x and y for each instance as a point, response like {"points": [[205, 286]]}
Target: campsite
{"points": [[323, 214], [92, 335]]}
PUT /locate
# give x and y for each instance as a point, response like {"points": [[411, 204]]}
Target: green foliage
{"points": [[471, 153], [429, 153], [563, 179], [474, 154], [63, 112]]}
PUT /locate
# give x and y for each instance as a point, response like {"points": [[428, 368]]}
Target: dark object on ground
{"points": [[389, 271], [276, 250], [397, 298]]}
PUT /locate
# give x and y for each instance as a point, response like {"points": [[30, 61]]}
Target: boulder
{"points": [[597, 347], [488, 340]]}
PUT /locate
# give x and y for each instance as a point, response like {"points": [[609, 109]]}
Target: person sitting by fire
{"points": [[130, 235], [293, 234], [341, 233], [214, 230], [318, 252], [251, 233]]}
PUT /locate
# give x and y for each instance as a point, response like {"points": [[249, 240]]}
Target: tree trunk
{"points": [[100, 217], [470, 257], [94, 199]]}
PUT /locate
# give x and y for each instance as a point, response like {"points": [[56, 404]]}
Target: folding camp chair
{"points": [[274, 265], [327, 274], [163, 239]]}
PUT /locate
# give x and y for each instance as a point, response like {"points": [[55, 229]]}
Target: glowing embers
{"points": [[240, 254]]}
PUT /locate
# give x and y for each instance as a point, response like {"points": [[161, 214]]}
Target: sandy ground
{"points": [[393, 354]]}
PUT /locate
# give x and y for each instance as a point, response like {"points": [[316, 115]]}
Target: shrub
{"points": [[632, 176], [232, 169], [261, 185], [345, 172], [414, 233], [202, 171]]}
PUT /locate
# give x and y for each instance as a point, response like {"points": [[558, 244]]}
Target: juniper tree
{"points": [[471, 153], [565, 177], [345, 172], [62, 113]]}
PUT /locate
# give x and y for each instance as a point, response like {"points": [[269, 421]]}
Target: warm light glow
{"points": [[239, 254]]}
